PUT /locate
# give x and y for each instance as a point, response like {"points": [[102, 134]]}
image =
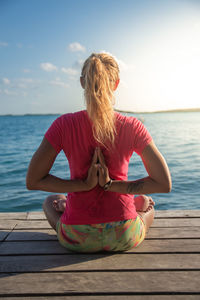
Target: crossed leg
{"points": [[52, 213], [145, 208], [54, 206]]}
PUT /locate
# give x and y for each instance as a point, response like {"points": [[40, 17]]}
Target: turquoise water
{"points": [[177, 135]]}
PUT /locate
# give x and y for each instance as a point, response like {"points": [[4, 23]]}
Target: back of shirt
{"points": [[72, 133]]}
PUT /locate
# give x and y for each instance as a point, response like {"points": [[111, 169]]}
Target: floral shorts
{"points": [[113, 236]]}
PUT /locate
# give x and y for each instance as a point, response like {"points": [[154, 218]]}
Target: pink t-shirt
{"points": [[72, 133]]}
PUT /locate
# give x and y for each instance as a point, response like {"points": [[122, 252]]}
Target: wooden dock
{"points": [[166, 266]]}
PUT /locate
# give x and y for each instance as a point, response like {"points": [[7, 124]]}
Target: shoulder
{"points": [[74, 115], [68, 117], [127, 120]]}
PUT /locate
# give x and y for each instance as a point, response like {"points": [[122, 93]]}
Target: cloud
{"points": [[58, 82], [26, 71], [48, 67], [28, 80], [23, 82], [18, 86], [6, 81], [9, 93], [22, 86], [70, 71], [76, 47], [3, 44], [19, 45]]}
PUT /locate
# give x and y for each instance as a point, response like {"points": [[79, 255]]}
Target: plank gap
{"points": [[101, 271], [81, 253], [49, 228], [178, 217], [11, 230], [173, 226], [53, 240], [123, 293]]}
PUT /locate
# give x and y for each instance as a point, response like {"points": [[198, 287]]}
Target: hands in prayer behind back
{"points": [[98, 172]]}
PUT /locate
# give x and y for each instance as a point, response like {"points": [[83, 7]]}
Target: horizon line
{"points": [[115, 109]]}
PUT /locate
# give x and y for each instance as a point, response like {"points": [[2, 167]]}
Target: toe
{"points": [[151, 201], [55, 204]]}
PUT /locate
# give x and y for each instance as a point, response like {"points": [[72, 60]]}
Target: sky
{"points": [[43, 45]]}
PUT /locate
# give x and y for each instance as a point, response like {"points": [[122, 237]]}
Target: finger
{"points": [[149, 208], [100, 156], [95, 170], [101, 170], [95, 156], [55, 202]]}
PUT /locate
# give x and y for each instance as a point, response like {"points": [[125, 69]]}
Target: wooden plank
{"points": [[92, 262], [33, 224], [179, 222], [36, 215], [13, 216], [157, 223], [39, 215], [169, 246], [180, 232], [100, 282], [177, 213], [110, 297], [8, 224], [158, 214], [3, 234], [31, 247], [50, 234], [32, 235], [148, 246]]}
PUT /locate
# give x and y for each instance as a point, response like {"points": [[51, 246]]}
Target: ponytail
{"points": [[100, 73]]}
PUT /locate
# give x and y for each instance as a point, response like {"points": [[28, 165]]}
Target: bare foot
{"points": [[151, 201], [59, 205], [150, 205], [143, 203]]}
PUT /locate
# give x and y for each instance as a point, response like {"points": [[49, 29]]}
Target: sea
{"points": [[176, 134]]}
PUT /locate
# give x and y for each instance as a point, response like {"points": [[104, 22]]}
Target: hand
{"points": [[103, 170], [92, 178]]}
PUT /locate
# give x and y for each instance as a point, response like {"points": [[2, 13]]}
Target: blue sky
{"points": [[44, 43]]}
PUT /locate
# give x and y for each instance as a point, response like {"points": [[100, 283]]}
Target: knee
{"points": [[141, 202], [47, 202]]}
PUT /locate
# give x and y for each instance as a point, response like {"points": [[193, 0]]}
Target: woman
{"points": [[100, 211]]}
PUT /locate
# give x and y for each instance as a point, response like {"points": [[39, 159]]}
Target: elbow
{"points": [[30, 185], [168, 186]]}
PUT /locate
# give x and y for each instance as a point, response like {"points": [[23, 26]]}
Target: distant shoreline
{"points": [[160, 111], [118, 110]]}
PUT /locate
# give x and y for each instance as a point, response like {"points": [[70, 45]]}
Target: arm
{"points": [[38, 177], [158, 181]]}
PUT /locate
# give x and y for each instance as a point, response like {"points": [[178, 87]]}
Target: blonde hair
{"points": [[100, 73]]}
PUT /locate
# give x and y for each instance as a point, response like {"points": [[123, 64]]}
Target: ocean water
{"points": [[177, 136]]}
